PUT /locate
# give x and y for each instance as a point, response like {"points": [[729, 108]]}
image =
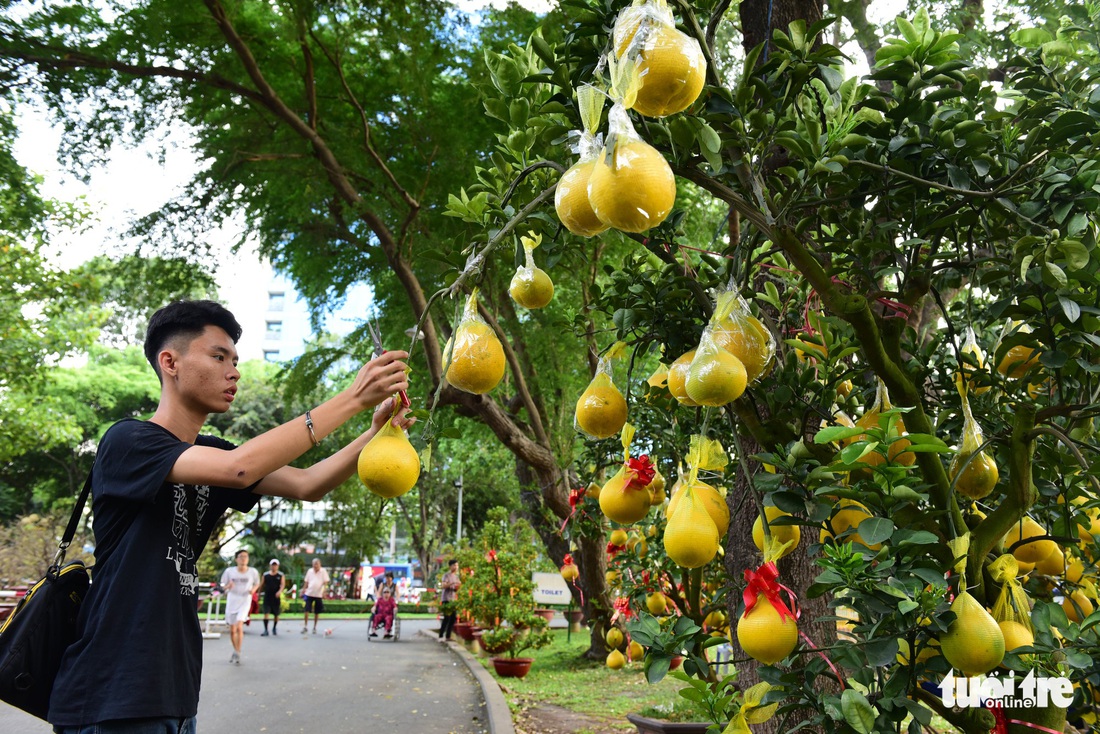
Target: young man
{"points": [[313, 591], [158, 489], [239, 582], [274, 581], [449, 583]]}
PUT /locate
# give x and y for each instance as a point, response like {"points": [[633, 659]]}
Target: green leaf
{"points": [[876, 530], [1069, 308], [1056, 273], [1030, 37], [836, 433], [857, 711]]}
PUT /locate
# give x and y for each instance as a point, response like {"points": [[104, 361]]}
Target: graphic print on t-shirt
{"points": [[180, 551]]}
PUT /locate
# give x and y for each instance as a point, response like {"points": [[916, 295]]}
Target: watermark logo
{"points": [[1029, 692]]}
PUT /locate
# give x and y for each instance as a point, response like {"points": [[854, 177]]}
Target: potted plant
{"points": [[523, 631]]}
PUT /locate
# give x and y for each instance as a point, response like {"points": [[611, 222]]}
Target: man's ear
{"points": [[167, 361]]}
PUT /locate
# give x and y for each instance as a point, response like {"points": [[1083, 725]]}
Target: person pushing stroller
{"points": [[384, 610]]}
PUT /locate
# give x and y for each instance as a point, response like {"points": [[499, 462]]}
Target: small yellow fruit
{"points": [[612, 577], [978, 479], [1073, 602], [1054, 564], [747, 339], [763, 635], [623, 502], [672, 69], [896, 452], [1016, 635], [616, 660], [601, 409], [929, 650], [633, 191], [618, 537], [477, 365], [717, 618], [656, 489], [531, 289], [570, 572], [691, 537], [389, 465], [973, 643], [849, 514], [781, 533], [677, 378], [715, 378], [656, 603], [1017, 361], [1032, 552], [571, 201], [634, 651], [713, 502], [592, 491], [1074, 571], [614, 638]]}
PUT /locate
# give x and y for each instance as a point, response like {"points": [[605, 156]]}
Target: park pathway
{"points": [[316, 684]]}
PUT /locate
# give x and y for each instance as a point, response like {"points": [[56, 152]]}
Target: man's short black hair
{"points": [[452, 562], [238, 553], [389, 574], [187, 319]]}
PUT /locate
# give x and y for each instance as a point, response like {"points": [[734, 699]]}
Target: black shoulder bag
{"points": [[36, 634]]}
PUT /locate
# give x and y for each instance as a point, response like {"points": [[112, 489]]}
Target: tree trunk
{"points": [[760, 17]]}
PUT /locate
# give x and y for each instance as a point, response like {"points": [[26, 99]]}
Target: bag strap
{"points": [[70, 529]]}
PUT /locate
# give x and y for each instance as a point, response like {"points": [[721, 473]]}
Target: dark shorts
{"points": [[314, 604], [272, 605]]}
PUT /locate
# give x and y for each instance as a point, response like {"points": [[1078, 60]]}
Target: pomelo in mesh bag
{"points": [[671, 64], [388, 465], [973, 643], [531, 287], [711, 499], [477, 359], [632, 187], [765, 635], [657, 488], [691, 537]]}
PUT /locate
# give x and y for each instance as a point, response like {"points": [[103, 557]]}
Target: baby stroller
{"points": [[376, 628]]}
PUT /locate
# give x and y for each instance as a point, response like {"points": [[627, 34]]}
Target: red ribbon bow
{"points": [[622, 609], [576, 496], [567, 560], [491, 555], [641, 472], [765, 580]]}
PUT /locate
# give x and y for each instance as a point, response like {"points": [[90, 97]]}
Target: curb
{"points": [[496, 707]]}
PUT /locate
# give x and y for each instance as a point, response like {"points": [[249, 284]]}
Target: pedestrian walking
{"points": [[449, 585], [240, 582], [313, 591], [273, 583], [159, 488]]}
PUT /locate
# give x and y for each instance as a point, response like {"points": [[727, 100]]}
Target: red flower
{"points": [[641, 472], [491, 555]]}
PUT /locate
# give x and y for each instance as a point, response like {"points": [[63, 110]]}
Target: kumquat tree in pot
{"points": [[857, 337]]}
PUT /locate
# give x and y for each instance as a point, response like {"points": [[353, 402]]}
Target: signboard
{"points": [[550, 588]]}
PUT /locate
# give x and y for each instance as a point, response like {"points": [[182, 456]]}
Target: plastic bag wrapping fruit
{"points": [[703, 455], [715, 377], [632, 187], [976, 478], [973, 361], [1012, 604], [477, 358], [388, 465], [671, 66], [601, 408], [625, 498], [743, 335], [531, 287], [571, 196]]}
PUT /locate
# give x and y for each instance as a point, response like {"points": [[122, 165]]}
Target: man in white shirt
{"points": [[313, 591], [239, 582]]}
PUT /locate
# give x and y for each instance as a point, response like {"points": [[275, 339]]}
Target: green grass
{"points": [[562, 677]]}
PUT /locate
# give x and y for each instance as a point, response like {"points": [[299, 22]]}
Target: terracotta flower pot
{"points": [[575, 618], [646, 725], [512, 667], [465, 630], [547, 614]]}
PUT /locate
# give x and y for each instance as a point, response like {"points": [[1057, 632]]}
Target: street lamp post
{"points": [[458, 529]]}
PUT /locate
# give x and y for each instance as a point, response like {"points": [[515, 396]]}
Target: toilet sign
{"points": [[550, 588]]}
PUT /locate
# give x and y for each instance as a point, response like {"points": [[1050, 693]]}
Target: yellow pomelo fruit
{"points": [[1088, 533], [616, 660], [627, 23], [1075, 569], [635, 651], [928, 650], [388, 465], [978, 479], [614, 638], [897, 450], [1054, 564], [1029, 552], [571, 201], [477, 365], [716, 378], [848, 516], [1016, 635], [656, 490], [691, 537], [781, 533], [592, 491], [611, 577], [717, 618], [601, 410], [1073, 602], [1017, 361], [677, 378], [763, 635], [973, 643], [618, 537], [748, 340], [817, 351], [656, 603], [713, 502], [672, 70], [844, 389], [624, 506], [633, 191], [1023, 569], [570, 572], [532, 292]]}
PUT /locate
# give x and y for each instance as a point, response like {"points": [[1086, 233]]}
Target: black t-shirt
{"points": [[140, 650], [271, 584]]}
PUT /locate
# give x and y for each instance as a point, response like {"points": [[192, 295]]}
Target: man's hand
{"points": [[380, 378], [385, 411]]}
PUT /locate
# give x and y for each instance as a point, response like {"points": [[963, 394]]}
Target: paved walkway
{"points": [[339, 684]]}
